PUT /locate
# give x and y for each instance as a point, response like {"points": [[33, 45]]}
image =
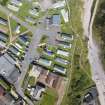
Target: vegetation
{"points": [[80, 74], [14, 24], [31, 81], [44, 39], [3, 2], [23, 12], [99, 28], [5, 85], [25, 83], [49, 97]]}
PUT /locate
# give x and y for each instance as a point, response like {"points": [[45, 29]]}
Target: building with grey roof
{"points": [[91, 95], [8, 69], [3, 21], [59, 69]]}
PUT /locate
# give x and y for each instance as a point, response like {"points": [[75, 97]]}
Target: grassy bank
{"points": [[99, 29], [80, 73]]}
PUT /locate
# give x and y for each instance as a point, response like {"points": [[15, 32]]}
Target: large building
{"points": [[8, 69]]}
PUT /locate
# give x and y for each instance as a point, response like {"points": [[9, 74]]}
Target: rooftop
{"points": [[8, 71]]}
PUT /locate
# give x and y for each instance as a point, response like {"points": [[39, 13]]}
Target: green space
{"points": [[51, 56], [49, 98], [31, 81], [24, 9], [14, 24], [25, 82], [80, 72], [99, 29], [3, 2], [44, 39], [3, 15], [5, 85]]}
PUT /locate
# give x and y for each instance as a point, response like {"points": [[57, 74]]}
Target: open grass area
{"points": [[14, 24], [3, 15], [80, 73], [49, 97], [24, 9]]}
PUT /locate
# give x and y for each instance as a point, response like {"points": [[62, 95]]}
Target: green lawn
{"points": [[49, 98], [24, 9], [14, 24], [3, 15], [31, 81]]}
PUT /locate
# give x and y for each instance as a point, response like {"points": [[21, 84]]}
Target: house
{"points": [[59, 4], [3, 21], [16, 2], [8, 69], [14, 94], [2, 44], [56, 20], [25, 37], [23, 41], [13, 7], [44, 62], [65, 45], [18, 45], [5, 97], [61, 61], [37, 91], [17, 30], [2, 91], [30, 19], [59, 69], [91, 95], [35, 72], [48, 53], [65, 15], [3, 37], [50, 80], [34, 11], [63, 53], [64, 37], [67, 36], [14, 50]]}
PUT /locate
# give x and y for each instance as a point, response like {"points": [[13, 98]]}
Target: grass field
{"points": [[49, 97], [24, 9]]}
